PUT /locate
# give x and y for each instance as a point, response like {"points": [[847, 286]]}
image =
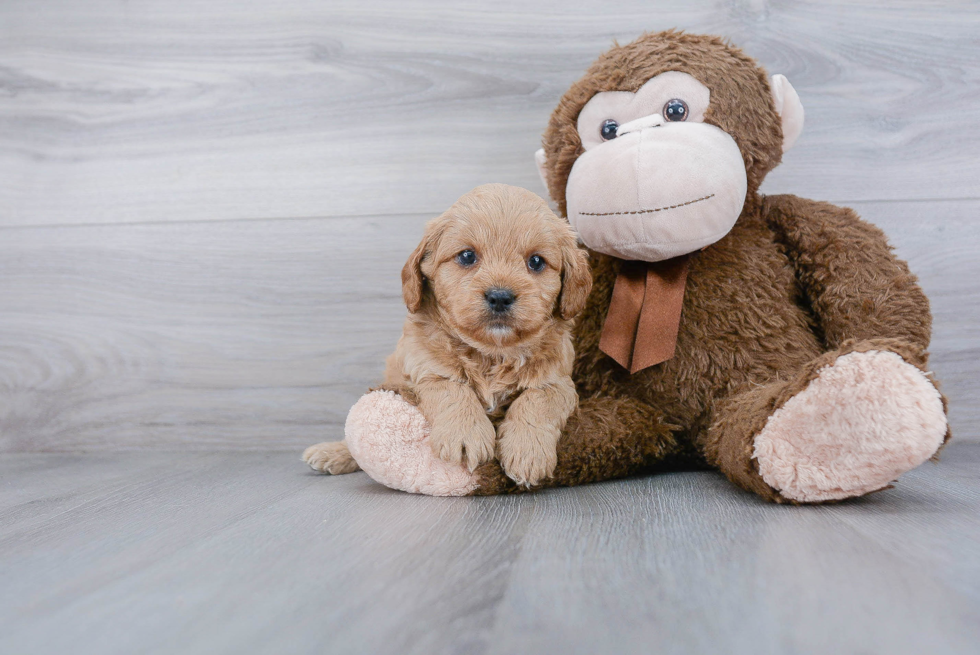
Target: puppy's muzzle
{"points": [[499, 300]]}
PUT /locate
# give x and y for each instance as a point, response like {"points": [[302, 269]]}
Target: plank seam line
{"points": [[204, 221], [433, 214]]}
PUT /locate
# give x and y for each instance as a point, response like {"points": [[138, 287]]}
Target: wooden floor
{"points": [[251, 553], [204, 210]]}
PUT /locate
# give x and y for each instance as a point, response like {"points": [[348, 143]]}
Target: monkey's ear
{"points": [[576, 280], [542, 162], [789, 108]]}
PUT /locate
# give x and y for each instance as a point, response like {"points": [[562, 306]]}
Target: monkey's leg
{"points": [[849, 423], [604, 438], [388, 437]]}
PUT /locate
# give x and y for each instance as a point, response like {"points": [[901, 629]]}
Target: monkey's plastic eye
{"points": [[675, 110], [608, 130], [466, 258], [536, 263]]}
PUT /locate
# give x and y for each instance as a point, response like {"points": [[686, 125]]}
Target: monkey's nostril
{"points": [[499, 300]]}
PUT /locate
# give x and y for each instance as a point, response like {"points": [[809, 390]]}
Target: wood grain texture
{"points": [[250, 552], [262, 334], [203, 214], [247, 334], [114, 111]]}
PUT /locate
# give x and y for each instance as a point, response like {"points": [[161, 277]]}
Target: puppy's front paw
{"points": [[528, 456], [467, 441], [330, 457]]}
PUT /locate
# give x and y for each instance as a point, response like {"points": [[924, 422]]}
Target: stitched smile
{"points": [[648, 211]]}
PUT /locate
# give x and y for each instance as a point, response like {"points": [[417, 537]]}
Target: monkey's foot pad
{"points": [[389, 439], [862, 422]]}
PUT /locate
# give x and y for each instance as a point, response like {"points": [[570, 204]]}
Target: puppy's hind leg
{"points": [[330, 457]]}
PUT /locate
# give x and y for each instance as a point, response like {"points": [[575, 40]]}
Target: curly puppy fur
{"points": [[795, 285], [490, 383]]}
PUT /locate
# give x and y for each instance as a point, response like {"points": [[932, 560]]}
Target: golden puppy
{"points": [[491, 291]]}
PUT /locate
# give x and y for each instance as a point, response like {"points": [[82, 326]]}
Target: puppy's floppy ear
{"points": [[576, 279], [412, 278]]}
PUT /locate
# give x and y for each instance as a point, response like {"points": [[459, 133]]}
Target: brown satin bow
{"points": [[645, 313]]}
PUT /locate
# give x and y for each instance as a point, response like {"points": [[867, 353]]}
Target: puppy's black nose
{"points": [[499, 299]]}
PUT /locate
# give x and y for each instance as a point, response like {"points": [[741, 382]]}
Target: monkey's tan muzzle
{"points": [[658, 190]]}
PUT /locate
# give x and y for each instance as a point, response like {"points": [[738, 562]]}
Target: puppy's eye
{"points": [[608, 130], [466, 258], [536, 263], [675, 110]]}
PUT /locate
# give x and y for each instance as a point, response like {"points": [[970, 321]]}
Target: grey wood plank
{"points": [[169, 110], [709, 570], [307, 570], [937, 506], [261, 334], [248, 552], [34, 490]]}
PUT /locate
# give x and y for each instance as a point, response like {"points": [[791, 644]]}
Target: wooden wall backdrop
{"points": [[204, 206]]}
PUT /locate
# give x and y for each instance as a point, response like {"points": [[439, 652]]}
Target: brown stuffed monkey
{"points": [[774, 338]]}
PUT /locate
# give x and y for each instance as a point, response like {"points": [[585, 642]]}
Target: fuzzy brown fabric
{"points": [[793, 286]]}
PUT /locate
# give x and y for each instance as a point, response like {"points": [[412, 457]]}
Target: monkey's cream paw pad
{"points": [[389, 439], [862, 422]]}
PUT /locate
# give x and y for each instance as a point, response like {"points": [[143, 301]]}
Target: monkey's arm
{"points": [[856, 286], [605, 438]]}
